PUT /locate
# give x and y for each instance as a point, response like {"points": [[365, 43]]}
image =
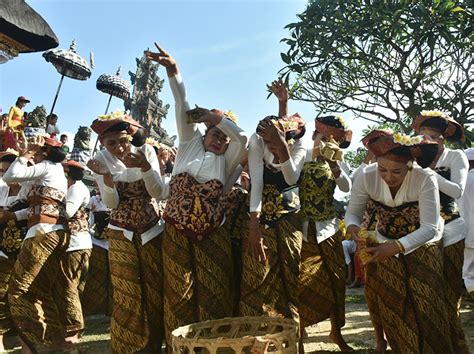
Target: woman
{"points": [[15, 123], [75, 262], [451, 167], [196, 250], [404, 286], [322, 288], [129, 180], [270, 270], [12, 232], [44, 244]]}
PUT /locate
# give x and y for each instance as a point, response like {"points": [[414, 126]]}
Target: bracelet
{"points": [[401, 249]]}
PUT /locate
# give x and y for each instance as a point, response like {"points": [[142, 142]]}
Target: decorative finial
{"points": [[119, 70], [91, 59], [73, 46]]}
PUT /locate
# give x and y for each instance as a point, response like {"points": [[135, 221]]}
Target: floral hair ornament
{"points": [[151, 141], [382, 142], [454, 131], [103, 123], [232, 116]]}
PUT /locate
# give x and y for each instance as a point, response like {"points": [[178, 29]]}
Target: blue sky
{"points": [[227, 51]]}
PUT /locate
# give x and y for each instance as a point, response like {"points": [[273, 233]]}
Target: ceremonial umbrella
{"points": [[68, 63], [23, 30], [115, 86]]}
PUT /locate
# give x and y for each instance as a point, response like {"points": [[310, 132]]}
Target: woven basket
{"points": [[256, 335]]}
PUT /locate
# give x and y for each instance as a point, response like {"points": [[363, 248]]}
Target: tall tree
{"points": [[384, 60]]}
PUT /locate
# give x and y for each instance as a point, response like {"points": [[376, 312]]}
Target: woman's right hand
{"points": [[353, 232], [98, 167], [278, 88], [163, 58], [256, 245]]}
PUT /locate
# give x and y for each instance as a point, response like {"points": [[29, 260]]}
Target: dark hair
{"points": [[332, 121], [428, 153], [439, 124], [55, 154], [75, 173], [139, 137], [51, 116], [63, 135], [8, 158]]}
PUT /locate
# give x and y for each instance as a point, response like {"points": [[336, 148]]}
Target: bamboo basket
{"points": [[253, 335]]}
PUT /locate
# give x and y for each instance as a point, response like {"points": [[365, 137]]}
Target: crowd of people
{"points": [[233, 224]]}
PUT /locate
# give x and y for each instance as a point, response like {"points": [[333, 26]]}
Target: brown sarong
{"points": [[197, 278], [6, 268], [272, 289], [97, 295], [322, 288], [137, 280]]}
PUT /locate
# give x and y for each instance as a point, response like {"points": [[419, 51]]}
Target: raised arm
{"points": [[278, 88], [186, 131]]}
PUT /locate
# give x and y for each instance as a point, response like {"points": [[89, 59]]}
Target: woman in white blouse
{"points": [[322, 288], [404, 286], [269, 283], [197, 254], [129, 180], [44, 245], [451, 167]]}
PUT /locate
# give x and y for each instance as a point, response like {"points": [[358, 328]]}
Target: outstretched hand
{"points": [[278, 88], [162, 57]]}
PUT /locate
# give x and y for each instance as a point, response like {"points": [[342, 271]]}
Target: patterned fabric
{"points": [[12, 237], [449, 207], [137, 280], [272, 289], [453, 262], [406, 294], [45, 205], [79, 221], [6, 268], [194, 208], [79, 155], [69, 285], [236, 226], [317, 186], [136, 211], [197, 278], [322, 288], [393, 222], [101, 220], [30, 285], [279, 199], [97, 295]]}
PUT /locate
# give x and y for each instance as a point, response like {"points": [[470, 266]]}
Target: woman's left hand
{"points": [[274, 138], [204, 115], [137, 160], [383, 252]]}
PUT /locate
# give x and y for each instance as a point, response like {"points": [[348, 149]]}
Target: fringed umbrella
{"points": [[115, 86], [68, 63], [23, 30]]}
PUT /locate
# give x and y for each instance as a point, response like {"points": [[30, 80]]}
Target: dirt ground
{"points": [[358, 331]]}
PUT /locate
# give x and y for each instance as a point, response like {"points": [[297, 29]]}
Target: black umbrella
{"points": [[68, 63], [115, 86], [23, 30]]}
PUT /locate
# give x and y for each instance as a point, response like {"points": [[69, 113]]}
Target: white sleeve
{"points": [[292, 167], [19, 171], [21, 214], [185, 130], [343, 181], [428, 203], [256, 172], [358, 202], [237, 147], [459, 168], [74, 199], [152, 177]]}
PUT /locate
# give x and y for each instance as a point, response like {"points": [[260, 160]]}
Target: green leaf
{"points": [[286, 58]]}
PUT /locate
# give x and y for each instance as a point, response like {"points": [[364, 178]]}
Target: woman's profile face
{"points": [[117, 143]]}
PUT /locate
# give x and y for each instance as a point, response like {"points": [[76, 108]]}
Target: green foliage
{"points": [[384, 60], [354, 158]]}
